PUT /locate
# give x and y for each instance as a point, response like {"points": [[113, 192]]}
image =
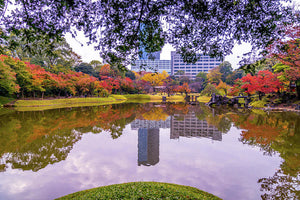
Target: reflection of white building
{"points": [[190, 126], [148, 146], [148, 139], [139, 123]]}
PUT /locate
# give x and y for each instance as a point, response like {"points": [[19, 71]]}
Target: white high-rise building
{"points": [[204, 64], [149, 65]]}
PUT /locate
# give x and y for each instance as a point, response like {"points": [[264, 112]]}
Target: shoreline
{"points": [[53, 103]]}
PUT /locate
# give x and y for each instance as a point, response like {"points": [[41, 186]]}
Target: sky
{"points": [[88, 53]]}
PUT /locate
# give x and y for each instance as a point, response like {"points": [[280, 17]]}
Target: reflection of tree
{"points": [[280, 186], [155, 114], [178, 108], [275, 132], [221, 122], [43, 151], [32, 140], [214, 117]]}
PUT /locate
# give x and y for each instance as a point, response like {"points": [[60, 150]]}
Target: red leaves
{"points": [[184, 88], [265, 82]]}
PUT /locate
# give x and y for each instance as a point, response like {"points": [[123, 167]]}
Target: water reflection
{"points": [[190, 126], [148, 146], [275, 133], [32, 141]]}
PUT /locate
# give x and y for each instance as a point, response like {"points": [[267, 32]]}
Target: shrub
{"points": [[209, 90]]}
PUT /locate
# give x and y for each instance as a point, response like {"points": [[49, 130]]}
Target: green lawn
{"points": [[204, 99], [94, 101], [54, 102], [142, 190]]}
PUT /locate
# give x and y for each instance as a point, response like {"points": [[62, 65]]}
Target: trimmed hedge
{"points": [[142, 190]]}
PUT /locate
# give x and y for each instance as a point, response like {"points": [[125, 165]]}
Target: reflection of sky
{"points": [[228, 169]]}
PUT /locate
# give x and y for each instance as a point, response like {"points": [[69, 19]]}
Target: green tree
{"points": [[226, 70], [209, 90], [214, 76], [54, 55], [87, 69], [202, 75], [8, 85], [236, 74], [130, 75], [23, 74]]}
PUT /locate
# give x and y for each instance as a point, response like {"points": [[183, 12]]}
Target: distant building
{"points": [[190, 126], [204, 64], [152, 65], [150, 56]]}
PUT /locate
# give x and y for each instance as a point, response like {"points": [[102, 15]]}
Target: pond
{"points": [[231, 153]]}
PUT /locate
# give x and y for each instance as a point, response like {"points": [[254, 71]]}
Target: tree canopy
{"points": [[122, 29]]}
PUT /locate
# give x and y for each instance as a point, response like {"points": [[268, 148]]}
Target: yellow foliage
{"points": [[223, 86], [156, 79], [137, 75]]}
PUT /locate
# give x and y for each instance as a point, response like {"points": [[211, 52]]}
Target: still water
{"points": [[234, 154]]}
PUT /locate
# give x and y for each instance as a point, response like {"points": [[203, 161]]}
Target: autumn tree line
{"points": [[24, 73]]}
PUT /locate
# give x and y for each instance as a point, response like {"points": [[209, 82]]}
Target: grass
{"points": [[204, 99], [137, 96], [142, 190], [258, 104], [5, 100], [30, 105], [118, 97], [63, 101], [175, 98], [73, 105]]}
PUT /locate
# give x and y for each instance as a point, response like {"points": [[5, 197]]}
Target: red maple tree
{"points": [[264, 82]]}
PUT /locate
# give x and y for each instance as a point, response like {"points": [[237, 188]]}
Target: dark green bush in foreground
{"points": [[142, 190]]}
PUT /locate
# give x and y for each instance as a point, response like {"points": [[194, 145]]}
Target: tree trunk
{"points": [[259, 95], [298, 88]]}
